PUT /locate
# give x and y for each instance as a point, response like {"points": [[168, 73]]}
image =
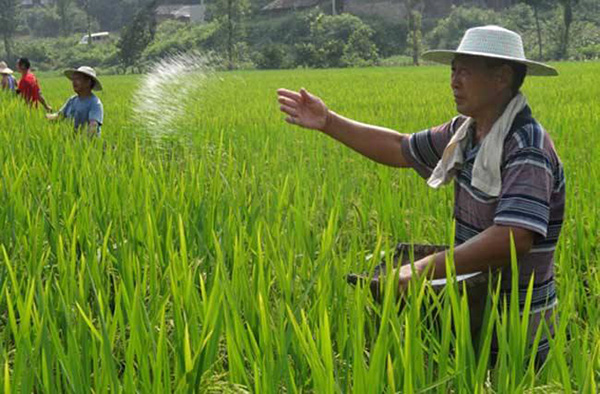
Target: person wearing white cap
{"points": [[508, 178], [84, 108], [8, 81]]}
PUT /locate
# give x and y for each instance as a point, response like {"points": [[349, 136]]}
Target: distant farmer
{"points": [[84, 108], [507, 175], [8, 81], [28, 86]]}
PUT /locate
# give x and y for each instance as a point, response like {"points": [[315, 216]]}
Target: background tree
{"points": [[337, 41], [62, 9], [86, 7], [536, 6], [567, 6], [414, 9], [8, 25], [230, 14], [337, 6], [137, 36]]}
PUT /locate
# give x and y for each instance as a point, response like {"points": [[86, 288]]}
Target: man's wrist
{"points": [[329, 117], [427, 266]]}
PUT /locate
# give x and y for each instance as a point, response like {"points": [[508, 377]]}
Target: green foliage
{"points": [[37, 51], [136, 37], [230, 35], [64, 9], [8, 25], [585, 43], [360, 50], [42, 21], [337, 41], [449, 30], [389, 36], [286, 29], [303, 38], [50, 21], [179, 37], [274, 56], [98, 56], [53, 54]]}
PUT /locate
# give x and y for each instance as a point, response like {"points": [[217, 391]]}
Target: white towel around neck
{"points": [[486, 169]]}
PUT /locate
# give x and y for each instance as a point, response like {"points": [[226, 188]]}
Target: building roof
{"points": [[193, 12], [168, 9], [290, 4]]}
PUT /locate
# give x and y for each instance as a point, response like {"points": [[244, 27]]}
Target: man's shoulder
{"points": [[95, 100], [528, 139], [448, 127], [71, 99], [526, 132]]}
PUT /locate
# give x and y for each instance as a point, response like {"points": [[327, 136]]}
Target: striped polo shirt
{"points": [[532, 197]]}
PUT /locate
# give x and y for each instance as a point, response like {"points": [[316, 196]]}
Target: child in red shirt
{"points": [[29, 87]]}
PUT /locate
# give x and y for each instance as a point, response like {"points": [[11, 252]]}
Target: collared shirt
{"points": [[29, 88], [532, 197], [9, 82], [83, 110]]}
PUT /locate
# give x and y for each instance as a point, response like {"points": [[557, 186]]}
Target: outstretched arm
{"points": [[44, 103], [489, 249], [377, 143]]}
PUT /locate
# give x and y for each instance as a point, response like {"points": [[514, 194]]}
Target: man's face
{"points": [[475, 86], [81, 83]]}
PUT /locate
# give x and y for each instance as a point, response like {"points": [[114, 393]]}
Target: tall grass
{"points": [[216, 261]]}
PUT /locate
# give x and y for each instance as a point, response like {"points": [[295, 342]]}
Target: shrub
{"points": [[448, 31], [337, 41], [273, 56]]}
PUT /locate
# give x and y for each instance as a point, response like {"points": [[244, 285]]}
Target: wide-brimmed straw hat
{"points": [[85, 70], [494, 42], [4, 68]]}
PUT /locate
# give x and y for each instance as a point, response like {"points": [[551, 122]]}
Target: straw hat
{"points": [[4, 68], [85, 70], [494, 42]]}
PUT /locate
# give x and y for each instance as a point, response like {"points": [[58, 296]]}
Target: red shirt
{"points": [[29, 88]]}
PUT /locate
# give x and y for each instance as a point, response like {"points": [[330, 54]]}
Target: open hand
{"points": [[404, 276], [303, 109]]}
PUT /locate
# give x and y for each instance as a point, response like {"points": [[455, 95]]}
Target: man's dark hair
{"points": [[24, 62], [519, 71]]}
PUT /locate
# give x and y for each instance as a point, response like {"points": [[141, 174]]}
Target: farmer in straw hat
{"points": [[8, 81], [84, 108], [508, 178]]}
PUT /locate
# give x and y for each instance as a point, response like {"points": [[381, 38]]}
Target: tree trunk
{"points": [[8, 48], [414, 25], [539, 29], [62, 7], [230, 33], [89, 22], [568, 19]]}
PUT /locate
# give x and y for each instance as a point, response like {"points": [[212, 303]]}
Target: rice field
{"points": [[215, 261]]}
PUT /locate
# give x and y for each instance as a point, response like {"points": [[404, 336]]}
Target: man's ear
{"points": [[505, 75]]}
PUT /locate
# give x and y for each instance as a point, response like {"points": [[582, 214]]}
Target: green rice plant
{"points": [[215, 261]]}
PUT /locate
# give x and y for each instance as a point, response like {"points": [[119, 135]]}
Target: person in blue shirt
{"points": [[84, 108], [8, 81]]}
